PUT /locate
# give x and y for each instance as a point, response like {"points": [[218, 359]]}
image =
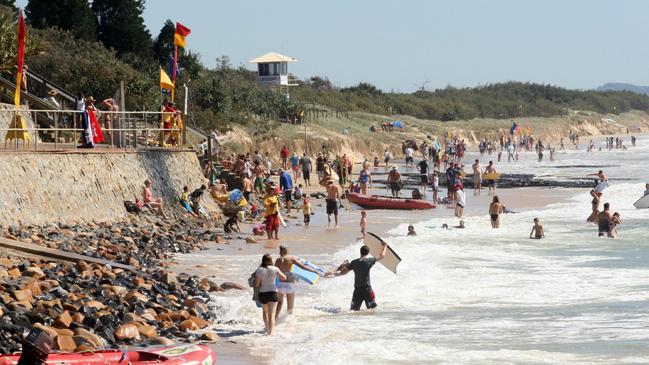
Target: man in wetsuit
{"points": [[362, 288]]}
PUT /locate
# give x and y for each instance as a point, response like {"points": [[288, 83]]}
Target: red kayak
{"points": [[386, 202], [175, 355]]}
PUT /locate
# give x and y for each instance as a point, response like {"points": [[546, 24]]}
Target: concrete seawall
{"points": [[87, 185]]}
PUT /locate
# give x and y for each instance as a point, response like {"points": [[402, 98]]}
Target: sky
{"points": [[402, 45]]}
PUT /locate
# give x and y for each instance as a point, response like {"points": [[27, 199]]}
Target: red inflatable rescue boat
{"points": [[386, 202], [175, 355]]}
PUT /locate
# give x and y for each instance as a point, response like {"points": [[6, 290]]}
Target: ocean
{"points": [[483, 296]]}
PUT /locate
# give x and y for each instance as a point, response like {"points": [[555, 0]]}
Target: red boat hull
{"points": [[175, 355], [386, 202]]}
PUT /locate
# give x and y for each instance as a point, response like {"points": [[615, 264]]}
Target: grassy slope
{"points": [[329, 131]]}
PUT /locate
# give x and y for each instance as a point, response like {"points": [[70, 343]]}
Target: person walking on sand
{"points": [[477, 177], [307, 166], [363, 223], [286, 287], [265, 278], [332, 199], [286, 185], [295, 165], [147, 197], [491, 183], [283, 153], [362, 287], [386, 157], [496, 208], [271, 203], [537, 230], [306, 210]]}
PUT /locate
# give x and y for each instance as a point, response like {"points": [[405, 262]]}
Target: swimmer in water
{"points": [[537, 230], [411, 231]]}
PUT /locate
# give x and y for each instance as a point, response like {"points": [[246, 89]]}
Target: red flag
{"points": [[22, 38], [181, 32]]}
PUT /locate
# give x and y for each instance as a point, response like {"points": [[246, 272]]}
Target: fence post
{"points": [[56, 133]]}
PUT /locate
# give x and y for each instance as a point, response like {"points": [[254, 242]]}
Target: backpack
{"points": [[252, 279]]}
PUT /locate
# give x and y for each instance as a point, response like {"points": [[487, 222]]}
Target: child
{"points": [[184, 201], [435, 184], [254, 211], [614, 222], [363, 223], [411, 231], [306, 209], [537, 229], [259, 230]]}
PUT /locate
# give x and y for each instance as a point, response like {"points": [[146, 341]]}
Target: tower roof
{"points": [[273, 57]]}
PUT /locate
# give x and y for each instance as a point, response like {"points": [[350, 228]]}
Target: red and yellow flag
{"points": [[181, 32], [22, 38]]}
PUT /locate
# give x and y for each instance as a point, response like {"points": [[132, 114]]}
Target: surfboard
{"points": [[375, 243], [308, 276], [642, 203], [281, 219], [491, 176]]}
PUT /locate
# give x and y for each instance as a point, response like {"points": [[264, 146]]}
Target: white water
{"points": [[483, 296]]}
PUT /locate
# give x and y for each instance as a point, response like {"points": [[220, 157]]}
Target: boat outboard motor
{"points": [[36, 347]]}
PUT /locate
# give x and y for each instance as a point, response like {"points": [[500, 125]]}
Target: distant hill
{"points": [[618, 86]]}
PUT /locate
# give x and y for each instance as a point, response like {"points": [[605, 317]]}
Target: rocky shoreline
{"points": [[88, 306]]}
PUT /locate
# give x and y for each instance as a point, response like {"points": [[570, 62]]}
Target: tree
{"points": [[73, 15], [9, 3], [121, 26], [164, 43]]}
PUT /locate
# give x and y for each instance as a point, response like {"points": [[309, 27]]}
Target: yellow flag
{"points": [[165, 81]]}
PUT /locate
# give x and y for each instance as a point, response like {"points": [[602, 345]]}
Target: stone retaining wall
{"points": [[87, 185]]}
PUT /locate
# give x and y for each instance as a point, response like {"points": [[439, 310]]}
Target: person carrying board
{"points": [[362, 287]]}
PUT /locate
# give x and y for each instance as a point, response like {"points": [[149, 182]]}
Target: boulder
{"points": [[127, 331], [64, 343], [162, 341], [91, 338], [210, 337], [63, 320]]}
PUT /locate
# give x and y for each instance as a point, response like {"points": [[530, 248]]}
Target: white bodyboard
{"points": [[375, 243]]}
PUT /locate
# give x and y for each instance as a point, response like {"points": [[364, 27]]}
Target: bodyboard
{"points": [[375, 243], [642, 203]]}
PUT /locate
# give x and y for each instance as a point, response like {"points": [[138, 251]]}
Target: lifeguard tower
{"points": [[272, 71]]}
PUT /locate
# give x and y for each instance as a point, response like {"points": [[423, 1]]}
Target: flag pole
{"points": [[173, 92]]}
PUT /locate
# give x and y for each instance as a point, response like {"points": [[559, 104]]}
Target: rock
{"points": [[24, 294], [6, 263], [64, 344], [127, 331], [169, 278], [83, 266], [135, 296], [64, 332], [47, 329], [63, 320], [162, 341], [230, 285], [193, 323], [120, 291], [13, 273], [34, 272], [78, 318], [251, 239], [85, 348], [133, 262], [180, 315], [90, 337], [210, 337], [95, 304], [147, 331]]}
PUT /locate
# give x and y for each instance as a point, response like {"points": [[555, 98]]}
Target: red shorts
{"points": [[272, 222]]}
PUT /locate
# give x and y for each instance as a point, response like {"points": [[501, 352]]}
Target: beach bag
{"points": [[252, 279], [131, 207]]}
